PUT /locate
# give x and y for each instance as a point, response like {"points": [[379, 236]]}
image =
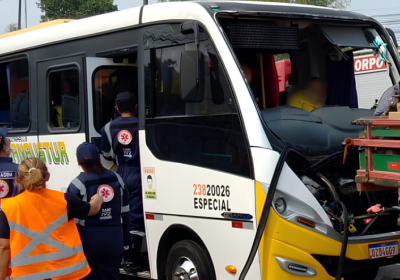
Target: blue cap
{"points": [[3, 131], [86, 151], [125, 97]]}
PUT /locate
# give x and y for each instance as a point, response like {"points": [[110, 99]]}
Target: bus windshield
{"points": [[302, 76]]}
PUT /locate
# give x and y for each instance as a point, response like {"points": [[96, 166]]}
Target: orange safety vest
{"points": [[44, 243]]}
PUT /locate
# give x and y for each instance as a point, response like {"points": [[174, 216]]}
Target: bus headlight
{"points": [[280, 205]]}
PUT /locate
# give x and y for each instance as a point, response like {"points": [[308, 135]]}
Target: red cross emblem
{"points": [[124, 137], [106, 192], [4, 189]]}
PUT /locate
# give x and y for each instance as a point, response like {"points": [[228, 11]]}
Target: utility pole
{"points": [[19, 15], [26, 16]]}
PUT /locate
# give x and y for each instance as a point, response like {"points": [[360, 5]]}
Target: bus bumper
{"points": [[290, 251]]}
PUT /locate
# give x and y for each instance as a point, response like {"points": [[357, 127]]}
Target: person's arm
{"points": [[4, 245], [73, 190], [4, 257], [81, 209], [95, 204], [106, 146]]}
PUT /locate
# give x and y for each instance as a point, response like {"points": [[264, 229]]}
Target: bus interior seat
{"points": [[70, 111], [19, 113]]}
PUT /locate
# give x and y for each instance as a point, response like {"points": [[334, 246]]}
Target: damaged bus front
{"points": [[319, 224]]}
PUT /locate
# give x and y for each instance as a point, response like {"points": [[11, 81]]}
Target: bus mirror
{"points": [[192, 76]]}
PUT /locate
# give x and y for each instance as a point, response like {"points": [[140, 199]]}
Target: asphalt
{"points": [[389, 272]]}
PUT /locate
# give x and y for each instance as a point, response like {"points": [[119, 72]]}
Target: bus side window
{"points": [[207, 133], [14, 94], [107, 82], [64, 98]]}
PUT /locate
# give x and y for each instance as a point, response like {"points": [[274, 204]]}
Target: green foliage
{"points": [[281, 56], [11, 27], [74, 9]]}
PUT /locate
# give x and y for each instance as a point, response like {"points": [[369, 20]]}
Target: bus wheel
{"points": [[186, 260]]}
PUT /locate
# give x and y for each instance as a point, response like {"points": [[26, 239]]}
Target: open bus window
{"points": [[14, 94], [64, 98], [107, 82]]}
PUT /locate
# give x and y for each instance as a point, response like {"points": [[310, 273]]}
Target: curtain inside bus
{"points": [[341, 82]]}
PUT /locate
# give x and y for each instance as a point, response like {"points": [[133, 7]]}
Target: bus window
{"points": [[64, 98], [107, 82], [14, 94], [207, 133]]}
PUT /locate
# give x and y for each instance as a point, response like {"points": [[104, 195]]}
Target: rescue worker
{"points": [[120, 143], [8, 169], [101, 234], [44, 242]]}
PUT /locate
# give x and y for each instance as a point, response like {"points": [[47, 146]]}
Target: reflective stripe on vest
{"points": [[126, 208], [82, 191], [22, 258], [111, 154], [53, 273]]}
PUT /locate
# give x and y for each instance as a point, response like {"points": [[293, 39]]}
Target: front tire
{"points": [[187, 260]]}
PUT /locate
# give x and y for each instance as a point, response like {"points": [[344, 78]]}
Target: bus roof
{"points": [[285, 8], [54, 32], [35, 27]]}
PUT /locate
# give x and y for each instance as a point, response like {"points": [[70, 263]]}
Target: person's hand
{"points": [[97, 199]]}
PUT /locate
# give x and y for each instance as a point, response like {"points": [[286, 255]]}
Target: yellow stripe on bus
{"points": [[260, 200], [36, 27]]}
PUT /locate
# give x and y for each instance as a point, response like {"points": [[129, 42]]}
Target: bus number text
{"points": [[215, 192]]}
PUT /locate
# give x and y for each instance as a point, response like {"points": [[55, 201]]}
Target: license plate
{"points": [[383, 250]]}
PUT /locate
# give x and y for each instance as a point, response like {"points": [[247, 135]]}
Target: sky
{"points": [[385, 11]]}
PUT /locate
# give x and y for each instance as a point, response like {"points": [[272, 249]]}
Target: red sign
{"points": [[393, 165], [368, 63]]}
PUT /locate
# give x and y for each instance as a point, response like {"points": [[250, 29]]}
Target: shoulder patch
{"points": [[4, 189], [106, 192], [7, 174], [124, 137]]}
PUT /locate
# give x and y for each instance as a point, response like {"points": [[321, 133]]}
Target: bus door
{"points": [[106, 77], [61, 117]]}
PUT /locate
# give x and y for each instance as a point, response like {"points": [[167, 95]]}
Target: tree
{"points": [[11, 27], [74, 9]]}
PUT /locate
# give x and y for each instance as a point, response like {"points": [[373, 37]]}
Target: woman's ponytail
{"points": [[32, 174]]}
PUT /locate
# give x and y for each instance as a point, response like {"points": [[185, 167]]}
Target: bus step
{"points": [[142, 274]]}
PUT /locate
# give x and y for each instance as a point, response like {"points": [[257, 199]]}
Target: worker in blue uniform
{"points": [[120, 143], [8, 169], [103, 236]]}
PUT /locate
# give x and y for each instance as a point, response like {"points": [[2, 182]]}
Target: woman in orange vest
{"points": [[44, 241]]}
